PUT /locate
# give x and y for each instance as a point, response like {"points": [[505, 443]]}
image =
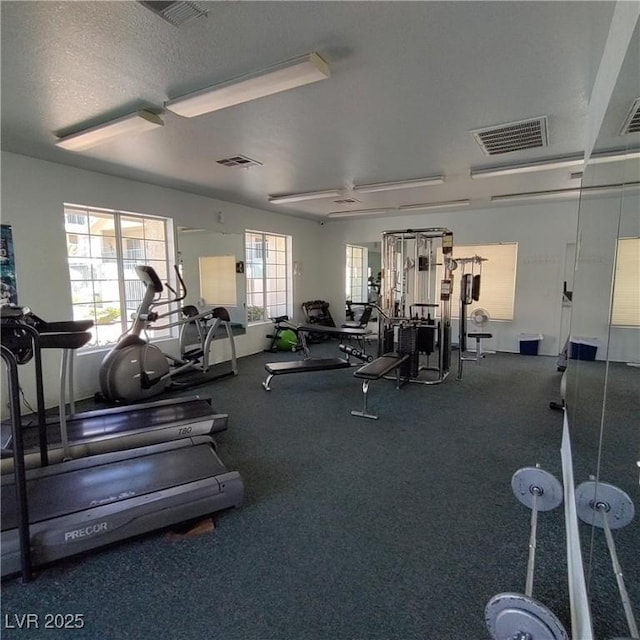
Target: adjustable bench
{"points": [[374, 371], [301, 366], [360, 334], [478, 336]]}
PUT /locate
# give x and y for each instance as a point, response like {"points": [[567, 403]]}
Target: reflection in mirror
{"points": [[211, 264], [603, 374], [363, 264], [362, 277]]}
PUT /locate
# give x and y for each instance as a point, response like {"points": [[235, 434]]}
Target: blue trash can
{"points": [[583, 348], [529, 343]]}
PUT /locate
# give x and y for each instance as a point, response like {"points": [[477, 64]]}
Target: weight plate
{"points": [[617, 506], [509, 614], [525, 481]]}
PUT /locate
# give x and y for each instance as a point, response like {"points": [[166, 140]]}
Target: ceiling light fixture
{"points": [[401, 184], [556, 163], [133, 123], [281, 77], [451, 204], [302, 197], [361, 212], [537, 195], [563, 193]]}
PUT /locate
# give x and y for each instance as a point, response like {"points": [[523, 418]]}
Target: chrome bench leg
{"points": [[363, 413]]}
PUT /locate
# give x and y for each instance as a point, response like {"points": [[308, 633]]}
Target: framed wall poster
{"points": [[8, 285]]}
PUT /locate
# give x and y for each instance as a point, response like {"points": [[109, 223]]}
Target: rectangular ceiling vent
{"points": [[632, 121], [512, 136], [347, 201], [176, 13], [239, 161]]}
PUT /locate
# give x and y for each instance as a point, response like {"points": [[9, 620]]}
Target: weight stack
{"points": [[408, 344], [445, 345], [426, 338], [388, 341]]}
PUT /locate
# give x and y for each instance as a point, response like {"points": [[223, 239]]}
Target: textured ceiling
{"points": [[409, 82]]}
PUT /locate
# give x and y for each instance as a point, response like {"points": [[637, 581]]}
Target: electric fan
{"points": [[479, 317]]}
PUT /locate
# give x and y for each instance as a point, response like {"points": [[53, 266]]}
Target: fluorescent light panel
{"points": [[287, 75], [133, 123], [409, 207], [557, 163], [402, 184], [361, 212], [451, 204], [563, 193], [537, 195], [302, 197]]}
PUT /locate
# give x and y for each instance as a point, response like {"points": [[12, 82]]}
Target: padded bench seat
{"points": [[380, 366], [301, 366], [374, 371], [478, 336], [335, 331]]}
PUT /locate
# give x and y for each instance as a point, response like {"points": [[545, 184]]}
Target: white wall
{"points": [[34, 191], [33, 194], [601, 223], [196, 244], [542, 232]]}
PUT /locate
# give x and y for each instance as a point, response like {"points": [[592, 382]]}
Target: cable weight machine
{"points": [[470, 275], [412, 321]]}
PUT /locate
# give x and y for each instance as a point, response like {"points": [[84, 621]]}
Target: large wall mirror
{"points": [[603, 370], [212, 268], [363, 262]]}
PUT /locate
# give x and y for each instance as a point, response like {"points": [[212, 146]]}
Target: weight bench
{"points": [[374, 371], [301, 366], [360, 334], [478, 336]]}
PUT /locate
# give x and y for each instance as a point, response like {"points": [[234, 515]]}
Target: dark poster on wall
{"points": [[8, 285]]}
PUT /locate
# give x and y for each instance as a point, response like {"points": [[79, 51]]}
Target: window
{"points": [[355, 283], [498, 281], [626, 290], [103, 247], [269, 276]]}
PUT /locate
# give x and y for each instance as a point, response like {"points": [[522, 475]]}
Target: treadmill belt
{"points": [[73, 491], [136, 419]]}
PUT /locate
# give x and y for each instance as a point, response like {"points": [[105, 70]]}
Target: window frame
{"points": [[256, 256], [621, 289], [126, 298], [352, 282]]}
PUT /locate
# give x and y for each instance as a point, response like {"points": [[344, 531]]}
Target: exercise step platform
{"points": [[374, 371], [301, 366]]}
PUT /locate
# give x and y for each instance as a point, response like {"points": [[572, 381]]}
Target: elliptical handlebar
{"points": [[145, 314], [150, 278], [151, 300]]}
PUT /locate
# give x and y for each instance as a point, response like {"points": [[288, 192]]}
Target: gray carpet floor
{"points": [[396, 529]]}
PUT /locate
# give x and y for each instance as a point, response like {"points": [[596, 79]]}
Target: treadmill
{"points": [[59, 510], [84, 504], [94, 432], [99, 431]]}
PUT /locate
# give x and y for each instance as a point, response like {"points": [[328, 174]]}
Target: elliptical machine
{"points": [[136, 369]]}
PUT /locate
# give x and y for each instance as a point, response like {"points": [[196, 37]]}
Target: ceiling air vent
{"points": [[512, 136], [632, 121], [347, 201], [177, 13], [239, 161]]}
